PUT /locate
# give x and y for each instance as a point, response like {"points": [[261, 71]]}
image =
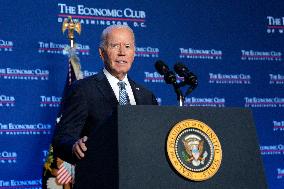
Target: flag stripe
{"points": [[63, 175], [64, 178], [61, 169]]}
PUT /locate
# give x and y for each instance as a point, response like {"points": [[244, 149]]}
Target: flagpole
{"points": [[54, 166], [74, 69]]}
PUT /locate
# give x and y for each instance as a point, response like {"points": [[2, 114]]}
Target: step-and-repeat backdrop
{"points": [[234, 47]]}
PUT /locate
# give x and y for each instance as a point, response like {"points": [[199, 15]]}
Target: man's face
{"points": [[118, 53]]}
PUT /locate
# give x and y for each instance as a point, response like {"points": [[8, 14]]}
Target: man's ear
{"points": [[101, 53]]}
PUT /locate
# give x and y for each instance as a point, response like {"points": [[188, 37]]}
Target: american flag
{"points": [[65, 173]]}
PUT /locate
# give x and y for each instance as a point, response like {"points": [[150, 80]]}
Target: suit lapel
{"points": [[105, 88], [136, 92]]}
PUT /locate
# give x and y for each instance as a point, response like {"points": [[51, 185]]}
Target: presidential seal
{"points": [[194, 150]]}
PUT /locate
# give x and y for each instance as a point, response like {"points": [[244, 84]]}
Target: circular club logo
{"points": [[194, 150]]}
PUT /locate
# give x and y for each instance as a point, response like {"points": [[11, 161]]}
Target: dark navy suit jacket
{"points": [[89, 109]]}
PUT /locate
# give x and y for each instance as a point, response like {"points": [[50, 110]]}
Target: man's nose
{"points": [[121, 50]]}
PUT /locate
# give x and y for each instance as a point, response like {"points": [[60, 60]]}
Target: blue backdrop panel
{"points": [[234, 47]]}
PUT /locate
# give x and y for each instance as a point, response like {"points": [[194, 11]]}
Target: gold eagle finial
{"points": [[71, 26]]}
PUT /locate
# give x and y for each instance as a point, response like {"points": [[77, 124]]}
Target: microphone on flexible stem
{"points": [[169, 77], [163, 69], [189, 77]]}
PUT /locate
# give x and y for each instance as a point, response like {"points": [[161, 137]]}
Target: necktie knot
{"points": [[121, 85], [123, 96]]}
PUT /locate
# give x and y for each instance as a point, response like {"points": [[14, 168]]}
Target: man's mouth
{"points": [[121, 62]]}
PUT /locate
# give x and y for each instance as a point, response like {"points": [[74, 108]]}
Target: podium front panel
{"points": [[142, 156]]}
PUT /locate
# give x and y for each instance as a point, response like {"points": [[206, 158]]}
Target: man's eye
{"points": [[114, 45], [127, 46]]}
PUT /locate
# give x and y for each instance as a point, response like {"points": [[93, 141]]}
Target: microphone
{"points": [[170, 78], [183, 71], [163, 69]]}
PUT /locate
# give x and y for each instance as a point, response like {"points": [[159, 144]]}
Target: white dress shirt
{"points": [[113, 83]]}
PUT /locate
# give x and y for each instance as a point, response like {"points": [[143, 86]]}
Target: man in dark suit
{"points": [[86, 134]]}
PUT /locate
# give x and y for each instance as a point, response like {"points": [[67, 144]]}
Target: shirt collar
{"points": [[113, 79]]}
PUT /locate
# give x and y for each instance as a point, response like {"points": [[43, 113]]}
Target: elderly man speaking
{"points": [[86, 131]]}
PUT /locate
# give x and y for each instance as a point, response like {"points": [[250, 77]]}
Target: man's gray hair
{"points": [[108, 29]]}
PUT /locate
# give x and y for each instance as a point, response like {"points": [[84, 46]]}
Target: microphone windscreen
{"points": [[161, 67], [180, 69]]}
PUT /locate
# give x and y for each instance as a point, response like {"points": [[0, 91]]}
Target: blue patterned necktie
{"points": [[123, 96]]}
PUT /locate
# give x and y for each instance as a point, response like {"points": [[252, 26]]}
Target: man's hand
{"points": [[80, 147]]}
